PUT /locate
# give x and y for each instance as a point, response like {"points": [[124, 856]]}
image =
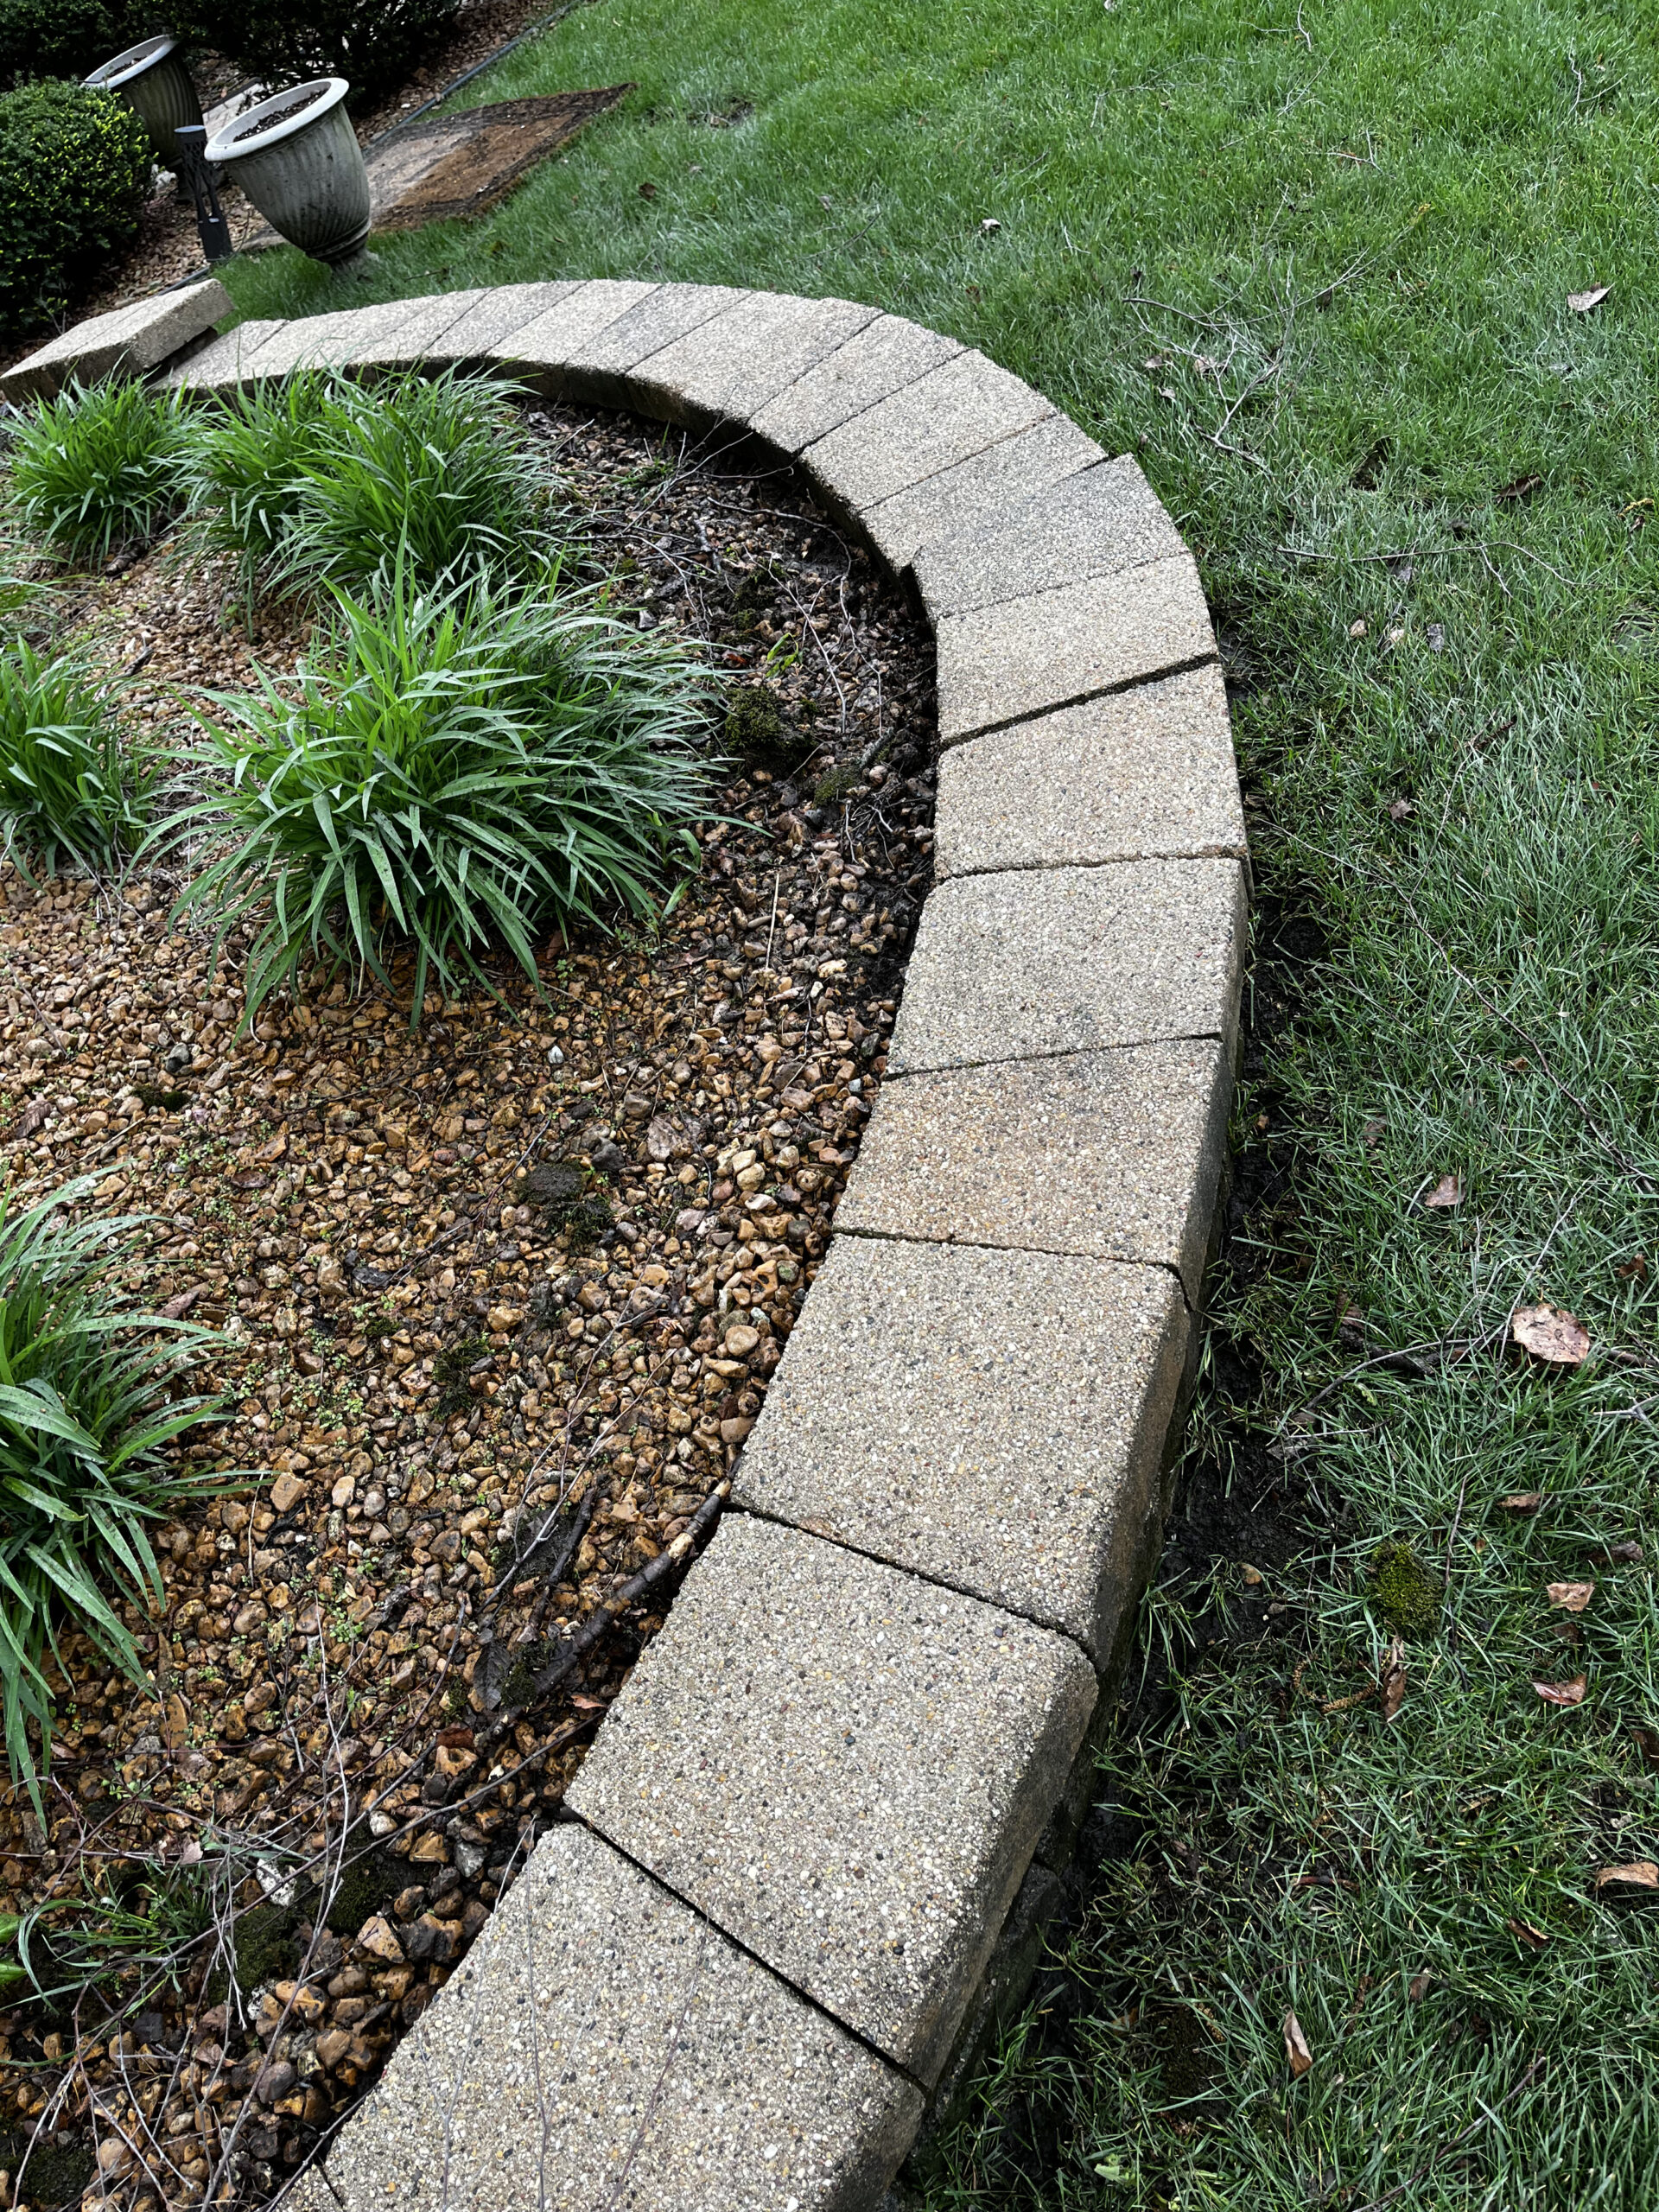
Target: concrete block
{"points": [[1141, 774], [601, 369], [1065, 960], [883, 358], [1091, 524], [971, 501], [344, 340], [483, 333], [227, 361], [1114, 1155], [1023, 656], [602, 2046], [130, 340], [992, 1419], [943, 418], [844, 1768], [542, 349], [731, 365]]}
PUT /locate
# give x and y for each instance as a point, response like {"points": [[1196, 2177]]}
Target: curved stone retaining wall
{"points": [[737, 1977]]}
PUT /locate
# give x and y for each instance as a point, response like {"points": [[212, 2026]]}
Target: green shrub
{"points": [[67, 38], [243, 463], [449, 770], [68, 790], [280, 41], [74, 172], [84, 1418], [94, 470]]}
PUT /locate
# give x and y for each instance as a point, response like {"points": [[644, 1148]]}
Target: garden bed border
{"points": [[811, 1851]]}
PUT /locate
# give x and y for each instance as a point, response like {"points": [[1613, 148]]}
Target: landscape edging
{"points": [[1063, 605]]}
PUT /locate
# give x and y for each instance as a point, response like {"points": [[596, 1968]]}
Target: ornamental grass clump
{"points": [[87, 1413], [243, 466], [71, 789], [452, 771], [100, 468]]}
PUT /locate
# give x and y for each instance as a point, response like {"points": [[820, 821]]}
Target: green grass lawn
{"points": [[1314, 267]]}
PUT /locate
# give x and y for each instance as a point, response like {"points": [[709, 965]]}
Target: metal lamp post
{"points": [[195, 172]]}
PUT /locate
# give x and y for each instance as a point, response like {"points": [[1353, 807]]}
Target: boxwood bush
{"points": [[67, 38], [280, 41], [74, 172]]}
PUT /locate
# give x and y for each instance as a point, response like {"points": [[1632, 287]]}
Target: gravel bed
{"points": [[501, 1302]]}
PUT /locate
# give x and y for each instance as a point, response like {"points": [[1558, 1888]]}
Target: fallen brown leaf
{"points": [[1523, 1501], [1519, 487], [1552, 1335], [1391, 1681], [1524, 1932], [1570, 1597], [1633, 1270], [1563, 1693], [1296, 2050], [1628, 1552], [1640, 1874], [1581, 302], [1417, 1987], [1647, 1741], [1445, 1194], [31, 1118], [176, 1308]]}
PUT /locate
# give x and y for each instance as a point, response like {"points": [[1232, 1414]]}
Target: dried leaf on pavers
{"points": [[1551, 1334], [1570, 1597], [1524, 1932], [1445, 1194], [1296, 2050], [1523, 1501], [1563, 1693], [1639, 1874], [1581, 302], [1391, 1678]]}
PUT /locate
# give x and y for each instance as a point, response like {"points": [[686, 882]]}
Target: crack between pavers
{"points": [[707, 1920], [1079, 699], [938, 614], [881, 314], [1041, 1251], [865, 509], [1240, 853], [1064, 1052]]}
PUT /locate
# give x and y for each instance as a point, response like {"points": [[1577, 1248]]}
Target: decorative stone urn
{"points": [[151, 80], [297, 156]]}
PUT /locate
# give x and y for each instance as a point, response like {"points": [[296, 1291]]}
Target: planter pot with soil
{"points": [[152, 80], [297, 157]]}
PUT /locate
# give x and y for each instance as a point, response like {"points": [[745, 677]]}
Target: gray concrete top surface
{"points": [[1141, 774], [955, 411], [846, 1769], [603, 2046], [991, 1420], [1012, 966], [739, 360], [128, 341], [958, 502], [882, 359]]}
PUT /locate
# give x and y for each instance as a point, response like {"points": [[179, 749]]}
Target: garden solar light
{"points": [[194, 171]]}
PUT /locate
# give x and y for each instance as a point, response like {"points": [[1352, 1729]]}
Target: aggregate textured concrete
{"points": [[846, 1769], [127, 342], [1009, 967], [1141, 774], [223, 363], [601, 2046], [486, 328], [991, 1420], [600, 369], [1116, 1155], [1091, 523], [1022, 656], [546, 348], [956, 502], [943, 418], [882, 359], [737, 361]]}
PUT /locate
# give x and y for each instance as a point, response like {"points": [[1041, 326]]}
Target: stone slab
{"points": [[603, 2046], [600, 371], [943, 418], [224, 364], [732, 365], [542, 349], [1005, 662], [128, 341], [883, 358], [1009, 967], [1091, 524], [844, 1768], [992, 1419], [972, 499], [1143, 774], [1111, 1155], [489, 323]]}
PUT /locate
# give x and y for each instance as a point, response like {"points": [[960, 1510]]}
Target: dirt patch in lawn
{"points": [[501, 1300]]}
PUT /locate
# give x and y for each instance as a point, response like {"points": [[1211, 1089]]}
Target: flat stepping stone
{"points": [[603, 2046], [1141, 774], [994, 1420], [845, 1769], [1109, 1156], [1012, 967], [127, 342]]}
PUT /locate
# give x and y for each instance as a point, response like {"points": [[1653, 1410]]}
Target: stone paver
{"points": [[601, 369], [1091, 524], [400, 332], [601, 2047], [735, 363], [1002, 663], [484, 330], [992, 1419], [1064, 960], [846, 1769], [1118, 1155], [543, 348], [127, 342], [225, 362], [1140, 774], [884, 356], [960, 502], [942, 419]]}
